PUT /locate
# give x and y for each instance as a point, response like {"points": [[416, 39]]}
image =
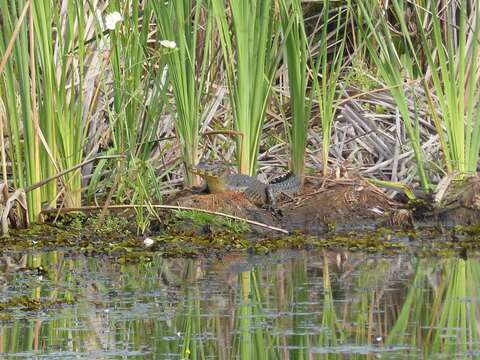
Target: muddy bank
{"points": [[342, 206], [347, 214], [457, 205], [120, 246]]}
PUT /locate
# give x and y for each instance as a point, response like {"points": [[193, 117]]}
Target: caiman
{"points": [[219, 179]]}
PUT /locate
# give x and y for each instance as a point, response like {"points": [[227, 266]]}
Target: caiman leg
{"points": [[271, 202], [200, 189]]}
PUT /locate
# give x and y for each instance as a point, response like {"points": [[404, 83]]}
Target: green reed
{"points": [[393, 68], [250, 52], [138, 97], [327, 70], [446, 67], [46, 127], [189, 25], [450, 48], [16, 84], [55, 82], [296, 50]]}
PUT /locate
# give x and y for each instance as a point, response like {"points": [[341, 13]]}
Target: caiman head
{"points": [[214, 172]]}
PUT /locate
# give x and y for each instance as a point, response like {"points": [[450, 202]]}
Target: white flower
{"points": [[112, 19], [148, 242], [168, 44]]}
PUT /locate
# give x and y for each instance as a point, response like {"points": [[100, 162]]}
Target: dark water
{"points": [[289, 305]]}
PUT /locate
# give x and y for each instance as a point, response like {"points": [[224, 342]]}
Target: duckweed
{"points": [[114, 239]]}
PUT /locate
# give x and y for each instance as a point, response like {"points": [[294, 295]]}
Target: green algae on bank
{"points": [[113, 237]]}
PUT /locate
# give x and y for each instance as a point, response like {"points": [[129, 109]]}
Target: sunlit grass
{"points": [[327, 70], [138, 97], [181, 23], [250, 52], [47, 129], [16, 83], [451, 48], [393, 68], [296, 50], [446, 67], [72, 72]]}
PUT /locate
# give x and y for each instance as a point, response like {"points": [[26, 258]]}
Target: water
{"points": [[287, 305]]}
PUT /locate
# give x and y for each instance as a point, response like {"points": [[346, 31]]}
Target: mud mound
{"points": [[228, 203], [460, 205], [342, 205]]}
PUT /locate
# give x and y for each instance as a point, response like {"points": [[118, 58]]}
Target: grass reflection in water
{"points": [[289, 305]]}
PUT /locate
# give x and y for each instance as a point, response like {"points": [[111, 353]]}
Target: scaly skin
{"points": [[288, 184], [218, 179]]}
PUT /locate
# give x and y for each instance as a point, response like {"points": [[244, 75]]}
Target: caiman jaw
{"points": [[215, 183]]}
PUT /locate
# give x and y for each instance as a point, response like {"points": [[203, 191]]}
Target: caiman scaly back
{"points": [[219, 179]]}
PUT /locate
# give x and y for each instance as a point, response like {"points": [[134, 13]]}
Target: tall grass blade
{"points": [[296, 50], [17, 84], [327, 70], [182, 22], [451, 52], [384, 54], [250, 58]]}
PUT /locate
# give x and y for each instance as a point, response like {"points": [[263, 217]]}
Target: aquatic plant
{"points": [[46, 128], [446, 68], [185, 36], [450, 49], [327, 70], [394, 70], [131, 79], [296, 50], [204, 218], [137, 99], [250, 53]]}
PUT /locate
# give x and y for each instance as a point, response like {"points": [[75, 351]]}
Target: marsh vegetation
{"points": [[109, 105], [112, 103]]}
